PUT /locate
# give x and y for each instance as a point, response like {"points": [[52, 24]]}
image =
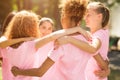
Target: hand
{"points": [[14, 70], [102, 73], [60, 41], [63, 40], [86, 34], [56, 44]]}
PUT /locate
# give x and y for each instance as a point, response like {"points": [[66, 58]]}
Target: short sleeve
{"points": [[101, 34], [3, 38]]}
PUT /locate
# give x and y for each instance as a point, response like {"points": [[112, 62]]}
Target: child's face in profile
{"points": [[92, 18]]}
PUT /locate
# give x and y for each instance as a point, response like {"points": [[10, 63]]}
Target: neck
{"points": [[94, 29]]}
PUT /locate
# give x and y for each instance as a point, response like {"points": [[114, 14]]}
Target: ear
{"points": [[100, 16]]}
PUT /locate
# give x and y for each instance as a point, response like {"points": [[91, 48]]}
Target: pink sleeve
{"points": [[100, 34], [56, 54], [97, 36], [28, 47], [0, 53]]}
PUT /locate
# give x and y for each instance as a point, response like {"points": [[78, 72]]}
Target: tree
{"points": [[5, 7]]}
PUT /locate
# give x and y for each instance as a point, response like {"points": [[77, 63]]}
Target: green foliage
{"points": [[5, 7], [115, 75], [118, 1]]}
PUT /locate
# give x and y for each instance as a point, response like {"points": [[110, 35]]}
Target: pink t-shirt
{"points": [[42, 54], [70, 62], [2, 39], [23, 57], [0, 53], [5, 64], [103, 36]]}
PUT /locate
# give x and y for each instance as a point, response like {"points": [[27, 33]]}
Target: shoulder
{"points": [[101, 34], [3, 38]]}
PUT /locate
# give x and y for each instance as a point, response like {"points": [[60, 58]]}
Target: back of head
{"points": [[100, 8], [7, 21], [75, 9], [23, 24]]}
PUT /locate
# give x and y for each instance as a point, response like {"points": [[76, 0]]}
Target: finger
{"points": [[88, 37], [102, 77]]}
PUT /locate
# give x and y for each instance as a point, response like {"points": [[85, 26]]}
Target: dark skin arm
{"points": [[104, 72], [39, 43], [34, 71], [102, 63]]}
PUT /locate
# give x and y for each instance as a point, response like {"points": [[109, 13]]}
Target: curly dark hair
{"points": [[75, 9]]}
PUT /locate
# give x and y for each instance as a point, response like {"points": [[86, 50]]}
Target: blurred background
{"points": [[50, 8]]}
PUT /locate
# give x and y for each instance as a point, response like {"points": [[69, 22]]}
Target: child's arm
{"points": [[102, 73], [85, 46], [42, 41], [90, 48], [9, 42], [34, 71], [101, 62], [85, 33]]}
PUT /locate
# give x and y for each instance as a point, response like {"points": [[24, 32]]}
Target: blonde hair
{"points": [[100, 8]]}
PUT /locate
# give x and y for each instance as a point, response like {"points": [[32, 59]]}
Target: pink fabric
{"points": [[3, 38], [70, 62], [22, 57], [42, 54], [5, 64], [0, 52], [103, 36]]}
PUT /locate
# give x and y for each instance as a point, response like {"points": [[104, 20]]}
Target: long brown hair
{"points": [[23, 24], [7, 21]]}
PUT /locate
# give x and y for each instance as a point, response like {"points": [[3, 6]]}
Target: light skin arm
{"points": [[90, 48], [6, 43], [34, 71], [105, 71], [42, 41], [39, 43], [85, 33]]}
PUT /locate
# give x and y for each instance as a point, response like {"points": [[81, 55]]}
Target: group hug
{"points": [[30, 49]]}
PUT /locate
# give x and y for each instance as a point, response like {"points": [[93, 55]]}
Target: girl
{"points": [[97, 18], [4, 43], [22, 54], [46, 26], [70, 62]]}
